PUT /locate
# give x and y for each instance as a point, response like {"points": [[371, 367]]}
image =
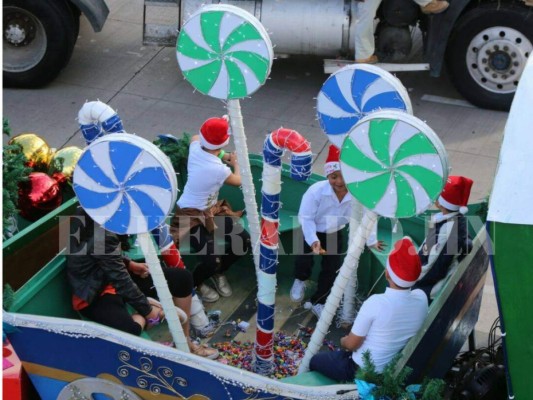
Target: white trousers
{"points": [[364, 28]]}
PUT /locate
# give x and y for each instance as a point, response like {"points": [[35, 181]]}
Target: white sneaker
{"points": [[298, 291], [222, 285], [207, 293], [317, 309]]}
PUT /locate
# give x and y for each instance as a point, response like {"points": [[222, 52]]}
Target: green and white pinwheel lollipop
{"points": [[394, 164], [224, 52]]}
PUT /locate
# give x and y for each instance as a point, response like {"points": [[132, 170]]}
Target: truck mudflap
{"points": [[96, 12], [439, 32]]}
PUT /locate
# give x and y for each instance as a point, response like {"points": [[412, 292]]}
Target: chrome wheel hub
{"points": [[24, 40], [496, 58]]}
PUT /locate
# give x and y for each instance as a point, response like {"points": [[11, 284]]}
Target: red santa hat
{"points": [[455, 194], [214, 133], [332, 162], [403, 265]]}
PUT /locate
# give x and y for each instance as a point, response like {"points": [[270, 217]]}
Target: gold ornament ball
{"points": [[36, 150], [65, 160]]}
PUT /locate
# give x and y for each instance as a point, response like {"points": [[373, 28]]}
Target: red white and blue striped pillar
{"points": [[273, 149]]}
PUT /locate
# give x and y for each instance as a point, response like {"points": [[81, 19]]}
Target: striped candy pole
{"points": [[169, 252], [127, 185], [96, 119], [273, 149], [224, 52]]}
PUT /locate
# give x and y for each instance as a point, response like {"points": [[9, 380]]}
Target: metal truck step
{"points": [[160, 22]]}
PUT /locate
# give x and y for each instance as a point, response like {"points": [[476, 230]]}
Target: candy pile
{"points": [[288, 353]]}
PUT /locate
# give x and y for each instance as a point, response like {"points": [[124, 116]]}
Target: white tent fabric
{"points": [[512, 194]]}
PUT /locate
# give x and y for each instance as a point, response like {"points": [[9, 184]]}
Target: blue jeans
{"points": [[337, 365]]}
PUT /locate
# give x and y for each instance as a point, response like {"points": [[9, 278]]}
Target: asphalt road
{"points": [[147, 89]]}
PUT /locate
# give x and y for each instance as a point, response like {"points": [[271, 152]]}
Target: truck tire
{"points": [[39, 37], [76, 13], [488, 51]]}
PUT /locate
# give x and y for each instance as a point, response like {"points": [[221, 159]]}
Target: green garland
{"points": [[8, 297], [176, 149], [432, 389], [6, 129], [391, 386], [14, 171]]}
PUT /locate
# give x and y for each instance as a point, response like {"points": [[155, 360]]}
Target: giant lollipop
{"points": [[347, 96], [225, 52], [394, 153], [127, 185], [394, 164], [354, 92]]}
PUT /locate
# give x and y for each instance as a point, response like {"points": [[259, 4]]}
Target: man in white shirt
{"points": [[208, 169], [385, 321], [325, 209]]}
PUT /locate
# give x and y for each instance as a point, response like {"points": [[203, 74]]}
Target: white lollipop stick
{"points": [[165, 297], [241, 146], [347, 313], [355, 249]]}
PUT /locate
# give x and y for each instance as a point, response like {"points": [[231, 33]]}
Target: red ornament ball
{"points": [[39, 195]]}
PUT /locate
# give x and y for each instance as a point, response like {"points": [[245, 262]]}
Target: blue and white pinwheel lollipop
{"points": [[353, 92], [125, 183]]}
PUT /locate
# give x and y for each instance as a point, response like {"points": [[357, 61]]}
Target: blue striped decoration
{"points": [[300, 167], [162, 236], [270, 205], [268, 255], [268, 259], [353, 92], [125, 196], [93, 131]]}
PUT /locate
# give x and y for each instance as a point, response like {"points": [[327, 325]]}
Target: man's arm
{"points": [[306, 216], [352, 342], [234, 179]]}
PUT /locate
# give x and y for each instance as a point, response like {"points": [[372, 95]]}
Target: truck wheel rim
{"points": [[496, 58], [24, 40]]}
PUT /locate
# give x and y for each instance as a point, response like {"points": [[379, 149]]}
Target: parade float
{"points": [[395, 167], [511, 233]]}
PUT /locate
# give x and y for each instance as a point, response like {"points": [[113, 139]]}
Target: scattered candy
{"points": [[288, 353], [240, 355]]}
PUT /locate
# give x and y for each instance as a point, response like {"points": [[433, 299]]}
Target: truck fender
{"points": [[439, 32], [96, 11]]}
